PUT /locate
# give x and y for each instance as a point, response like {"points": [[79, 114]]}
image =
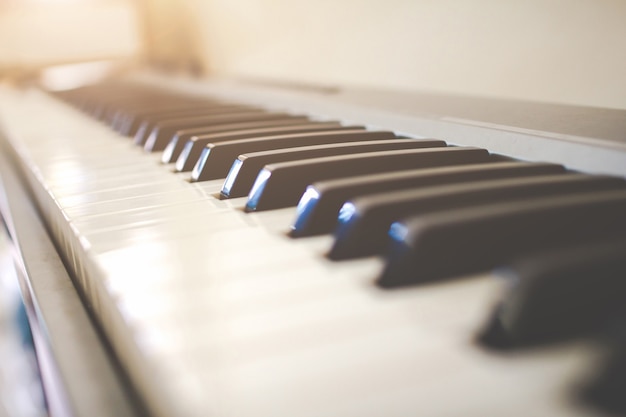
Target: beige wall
{"points": [[571, 51], [39, 33], [553, 50]]}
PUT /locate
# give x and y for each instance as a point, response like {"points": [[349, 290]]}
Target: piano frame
{"points": [[70, 345], [79, 372]]}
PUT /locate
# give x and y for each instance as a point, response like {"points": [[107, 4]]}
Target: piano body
{"points": [[492, 286]]}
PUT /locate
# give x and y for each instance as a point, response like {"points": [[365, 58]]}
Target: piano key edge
{"points": [[70, 348]]}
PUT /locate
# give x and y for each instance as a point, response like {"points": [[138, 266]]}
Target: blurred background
{"points": [[568, 51]]}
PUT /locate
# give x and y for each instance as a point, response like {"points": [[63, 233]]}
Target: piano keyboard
{"points": [[252, 262]]}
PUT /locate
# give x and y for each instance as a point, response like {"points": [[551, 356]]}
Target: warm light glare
{"points": [[60, 1], [65, 77], [41, 33]]}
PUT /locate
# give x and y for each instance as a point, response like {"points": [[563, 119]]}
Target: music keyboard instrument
{"points": [[214, 307]]}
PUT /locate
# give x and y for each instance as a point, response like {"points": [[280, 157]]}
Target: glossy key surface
{"points": [[559, 294], [364, 222], [465, 241], [127, 123], [319, 206], [219, 158], [162, 133], [246, 168], [288, 125], [282, 184]]}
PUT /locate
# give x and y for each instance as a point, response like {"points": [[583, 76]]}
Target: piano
{"points": [[208, 246]]}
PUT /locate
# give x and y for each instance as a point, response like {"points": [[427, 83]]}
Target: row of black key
{"points": [[436, 211]]}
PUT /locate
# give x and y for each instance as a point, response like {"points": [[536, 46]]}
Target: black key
{"points": [[114, 102], [319, 206], [364, 222], [148, 125], [151, 123], [604, 391], [162, 133], [465, 241], [192, 151], [281, 185], [246, 168], [176, 145], [218, 158], [103, 108], [559, 294], [135, 110], [128, 123], [106, 106]]}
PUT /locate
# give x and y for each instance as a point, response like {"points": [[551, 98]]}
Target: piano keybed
{"points": [[222, 304]]}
